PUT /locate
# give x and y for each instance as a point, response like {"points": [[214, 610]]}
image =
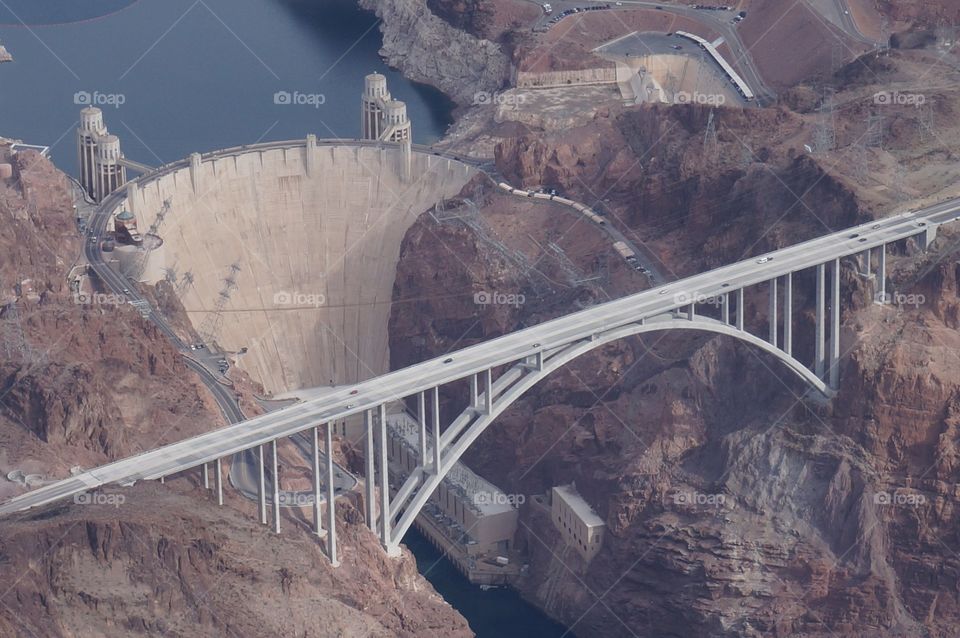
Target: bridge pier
{"points": [[788, 314], [206, 476], [819, 344], [773, 312], [741, 310], [276, 489], [835, 326], [331, 503], [368, 421], [436, 430], [384, 479], [422, 422], [881, 294], [219, 481], [867, 266], [263, 484], [488, 396], [317, 521]]}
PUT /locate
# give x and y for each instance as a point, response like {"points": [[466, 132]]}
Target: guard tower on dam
{"points": [[384, 119], [102, 169]]}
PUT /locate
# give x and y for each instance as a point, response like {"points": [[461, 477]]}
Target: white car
{"points": [[763, 260]]}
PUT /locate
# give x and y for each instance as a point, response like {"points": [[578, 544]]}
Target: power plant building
{"points": [[476, 519], [577, 522]]}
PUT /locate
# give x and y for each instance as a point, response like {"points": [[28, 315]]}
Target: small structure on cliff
{"points": [[577, 522]]}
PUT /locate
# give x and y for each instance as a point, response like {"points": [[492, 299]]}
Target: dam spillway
{"points": [[308, 232]]}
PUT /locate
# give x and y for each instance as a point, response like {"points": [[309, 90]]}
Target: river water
{"points": [[178, 76]]}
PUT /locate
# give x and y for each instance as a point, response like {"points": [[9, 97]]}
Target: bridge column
{"points": [[835, 326], [331, 503], [276, 488], [317, 524], [368, 420], [422, 421], [488, 397], [882, 276], [725, 308], [788, 314], [206, 476], [436, 431], [263, 485], [741, 310], [773, 312], [867, 270], [219, 481], [385, 486], [474, 391], [692, 311], [819, 349]]}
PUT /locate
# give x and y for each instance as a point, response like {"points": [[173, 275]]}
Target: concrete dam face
{"points": [[289, 250]]}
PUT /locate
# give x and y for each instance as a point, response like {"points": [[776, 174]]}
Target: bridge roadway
{"points": [[547, 337]]}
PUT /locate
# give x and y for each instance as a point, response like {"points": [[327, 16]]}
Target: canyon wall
{"points": [[427, 49]]}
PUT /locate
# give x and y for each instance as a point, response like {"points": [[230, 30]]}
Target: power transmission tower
{"points": [[884, 45], [925, 124], [185, 282], [211, 323], [874, 136], [15, 344], [711, 145], [825, 136], [746, 156]]}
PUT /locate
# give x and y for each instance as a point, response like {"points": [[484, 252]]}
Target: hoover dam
{"points": [[285, 252], [313, 239]]}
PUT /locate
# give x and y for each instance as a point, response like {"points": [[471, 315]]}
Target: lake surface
{"points": [[178, 76]]}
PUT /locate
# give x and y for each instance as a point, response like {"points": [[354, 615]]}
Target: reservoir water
{"points": [[178, 76]]}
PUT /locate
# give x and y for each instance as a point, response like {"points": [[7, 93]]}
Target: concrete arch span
{"points": [[512, 384]]}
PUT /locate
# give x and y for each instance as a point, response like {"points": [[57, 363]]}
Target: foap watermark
{"points": [[99, 498], [297, 298], [698, 499], [498, 498], [900, 299], [507, 98], [686, 298], [707, 99], [484, 298], [96, 98], [296, 98], [896, 98], [899, 499], [296, 499], [99, 299]]}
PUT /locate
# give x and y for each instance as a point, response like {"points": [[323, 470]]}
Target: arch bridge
{"points": [[523, 358]]}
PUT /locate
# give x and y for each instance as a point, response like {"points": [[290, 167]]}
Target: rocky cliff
{"points": [[428, 49]]}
